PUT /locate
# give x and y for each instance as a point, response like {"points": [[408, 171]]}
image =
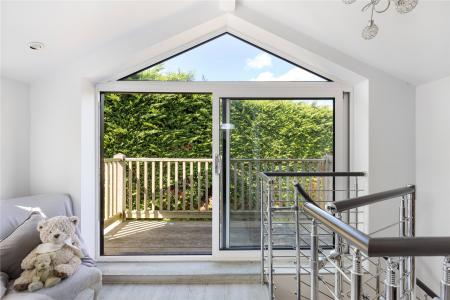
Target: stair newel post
{"points": [[314, 261], [445, 282], [390, 292], [356, 276], [411, 232]]}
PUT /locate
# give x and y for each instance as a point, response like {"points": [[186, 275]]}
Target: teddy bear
{"points": [[58, 238], [43, 273]]}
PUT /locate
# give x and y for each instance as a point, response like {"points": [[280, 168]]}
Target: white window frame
{"points": [[222, 90]]}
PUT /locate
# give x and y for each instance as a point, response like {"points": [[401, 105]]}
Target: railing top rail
{"points": [[343, 205], [316, 174], [280, 159], [380, 247], [168, 159]]}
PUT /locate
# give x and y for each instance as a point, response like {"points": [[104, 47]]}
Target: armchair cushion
{"points": [[18, 244]]}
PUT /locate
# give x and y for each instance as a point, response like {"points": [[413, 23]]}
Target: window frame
{"points": [[124, 78]]}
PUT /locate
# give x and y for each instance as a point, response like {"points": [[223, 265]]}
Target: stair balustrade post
{"points": [[390, 292], [356, 276], [445, 282], [411, 232], [314, 261]]}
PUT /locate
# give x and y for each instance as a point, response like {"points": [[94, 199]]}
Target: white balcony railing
{"points": [[147, 188]]}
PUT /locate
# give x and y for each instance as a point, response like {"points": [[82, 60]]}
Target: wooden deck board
{"points": [[147, 237]]}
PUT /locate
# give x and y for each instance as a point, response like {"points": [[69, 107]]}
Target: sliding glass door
{"points": [[260, 134]]}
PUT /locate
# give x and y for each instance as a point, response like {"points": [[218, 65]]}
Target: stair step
{"points": [[180, 272]]}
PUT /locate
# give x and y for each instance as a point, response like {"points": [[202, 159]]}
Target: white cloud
{"points": [[261, 60], [294, 74]]}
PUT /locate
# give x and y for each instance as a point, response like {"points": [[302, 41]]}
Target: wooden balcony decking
{"points": [[150, 237]]}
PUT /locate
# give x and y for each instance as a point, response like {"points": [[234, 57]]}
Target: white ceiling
{"points": [[414, 47]]}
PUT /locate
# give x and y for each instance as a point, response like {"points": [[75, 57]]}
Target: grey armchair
{"points": [[14, 213]]}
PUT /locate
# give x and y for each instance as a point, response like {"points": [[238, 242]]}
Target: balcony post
{"points": [[121, 180], [445, 283]]}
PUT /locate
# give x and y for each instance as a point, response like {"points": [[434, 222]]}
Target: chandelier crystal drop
{"points": [[370, 31], [381, 6], [405, 6]]}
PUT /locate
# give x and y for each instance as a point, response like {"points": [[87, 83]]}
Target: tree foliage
{"points": [[180, 125]]}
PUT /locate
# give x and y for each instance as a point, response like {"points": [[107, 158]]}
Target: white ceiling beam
{"points": [[227, 5]]}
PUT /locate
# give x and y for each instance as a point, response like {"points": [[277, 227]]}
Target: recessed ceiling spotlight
{"points": [[36, 46]]}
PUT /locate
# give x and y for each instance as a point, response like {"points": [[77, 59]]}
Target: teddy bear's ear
{"points": [[41, 225], [74, 220]]}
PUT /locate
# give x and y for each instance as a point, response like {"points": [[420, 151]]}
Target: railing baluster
{"points": [[161, 187], [242, 187], [191, 182], [206, 186], [153, 186], [114, 187], [106, 191], [184, 185], [130, 186], [145, 187], [138, 189], [199, 183], [176, 186], [235, 178], [250, 185], [168, 186], [110, 181]]}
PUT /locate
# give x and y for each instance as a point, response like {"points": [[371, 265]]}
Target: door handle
{"points": [[218, 163]]}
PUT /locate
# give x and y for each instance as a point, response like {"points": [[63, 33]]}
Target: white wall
{"points": [[14, 146], [55, 107], [433, 170]]}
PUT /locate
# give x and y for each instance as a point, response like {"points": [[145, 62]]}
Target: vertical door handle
{"points": [[218, 163]]}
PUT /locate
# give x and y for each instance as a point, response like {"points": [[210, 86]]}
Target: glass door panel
{"points": [[267, 135]]}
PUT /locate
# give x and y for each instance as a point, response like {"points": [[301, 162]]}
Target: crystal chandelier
{"points": [[402, 6]]}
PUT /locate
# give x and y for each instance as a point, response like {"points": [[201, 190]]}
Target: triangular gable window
{"points": [[225, 58]]}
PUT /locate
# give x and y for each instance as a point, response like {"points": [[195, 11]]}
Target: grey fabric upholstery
{"points": [[18, 244], [82, 285], [3, 283], [70, 288], [14, 212]]}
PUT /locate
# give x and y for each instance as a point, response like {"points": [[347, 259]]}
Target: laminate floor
{"points": [[184, 292]]}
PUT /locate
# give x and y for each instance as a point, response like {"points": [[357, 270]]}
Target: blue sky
{"points": [[227, 58]]}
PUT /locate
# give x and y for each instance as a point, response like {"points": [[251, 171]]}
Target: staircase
{"points": [[317, 244]]}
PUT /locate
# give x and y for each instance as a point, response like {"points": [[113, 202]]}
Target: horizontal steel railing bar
{"points": [[379, 247], [409, 246], [343, 205], [318, 174]]}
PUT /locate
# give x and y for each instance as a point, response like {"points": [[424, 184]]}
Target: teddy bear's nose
{"points": [[56, 235]]}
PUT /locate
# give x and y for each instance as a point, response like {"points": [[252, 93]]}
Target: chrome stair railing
{"points": [[401, 249], [330, 257]]}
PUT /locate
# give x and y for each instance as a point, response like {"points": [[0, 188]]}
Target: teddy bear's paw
{"points": [[52, 281], [61, 275], [63, 271], [34, 286], [20, 286]]}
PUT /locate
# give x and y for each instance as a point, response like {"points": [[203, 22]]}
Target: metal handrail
{"points": [[343, 205], [380, 247]]}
